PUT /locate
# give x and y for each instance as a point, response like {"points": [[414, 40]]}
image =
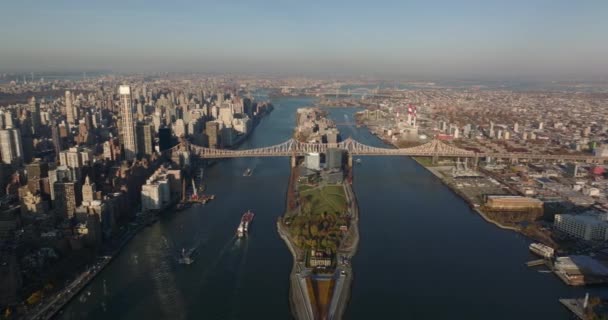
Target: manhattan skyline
{"points": [[544, 39]]}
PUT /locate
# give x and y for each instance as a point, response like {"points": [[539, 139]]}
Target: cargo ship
{"points": [[244, 225]]}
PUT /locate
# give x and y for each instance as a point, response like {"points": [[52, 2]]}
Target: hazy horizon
{"points": [[518, 39]]}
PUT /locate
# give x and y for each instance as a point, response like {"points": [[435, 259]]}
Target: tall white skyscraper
{"points": [[8, 119], [11, 148], [128, 127], [69, 108]]}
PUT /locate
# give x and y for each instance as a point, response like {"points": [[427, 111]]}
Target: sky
{"points": [[533, 38]]}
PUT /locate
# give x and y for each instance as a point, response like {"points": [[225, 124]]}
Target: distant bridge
{"points": [[434, 148]]}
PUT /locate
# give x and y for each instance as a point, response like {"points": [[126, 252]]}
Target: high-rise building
{"points": [[212, 130], [66, 199], [179, 128], [59, 174], [37, 169], [11, 148], [334, 158], [164, 139], [128, 127], [8, 120], [76, 157], [34, 108], [69, 108], [108, 150], [56, 139], [88, 191], [145, 138]]}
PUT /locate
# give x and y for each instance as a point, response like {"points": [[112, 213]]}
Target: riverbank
{"points": [[48, 310], [470, 201]]}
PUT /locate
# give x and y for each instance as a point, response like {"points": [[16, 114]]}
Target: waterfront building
{"points": [[313, 161], [241, 123], [334, 158], [155, 195], [161, 188], [587, 226], [512, 203], [91, 217], [128, 127]]}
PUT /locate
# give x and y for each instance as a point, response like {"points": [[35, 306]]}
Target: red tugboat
{"points": [[244, 225]]}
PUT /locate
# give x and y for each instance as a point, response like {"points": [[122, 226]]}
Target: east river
{"points": [[423, 253]]}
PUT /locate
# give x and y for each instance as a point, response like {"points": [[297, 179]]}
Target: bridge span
{"points": [[434, 148]]}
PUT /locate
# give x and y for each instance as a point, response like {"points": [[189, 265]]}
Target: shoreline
{"points": [[466, 199], [82, 280]]}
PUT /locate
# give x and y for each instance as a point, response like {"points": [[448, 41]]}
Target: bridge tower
{"points": [[435, 159], [350, 160], [294, 161]]}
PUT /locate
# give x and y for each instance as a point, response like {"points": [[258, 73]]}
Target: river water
{"points": [[423, 253]]}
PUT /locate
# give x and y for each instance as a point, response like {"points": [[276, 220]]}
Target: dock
{"points": [[536, 263], [575, 306]]}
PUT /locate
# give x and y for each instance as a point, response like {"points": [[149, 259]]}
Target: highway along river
{"points": [[423, 253]]}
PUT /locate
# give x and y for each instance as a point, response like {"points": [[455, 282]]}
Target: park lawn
{"points": [[330, 199]]}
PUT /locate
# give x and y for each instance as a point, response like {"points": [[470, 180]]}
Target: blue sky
{"points": [[434, 38]]}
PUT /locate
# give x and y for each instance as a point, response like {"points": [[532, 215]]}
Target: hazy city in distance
{"points": [[303, 160]]}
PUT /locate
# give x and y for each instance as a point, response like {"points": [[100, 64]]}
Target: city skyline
{"points": [[303, 159], [553, 39]]}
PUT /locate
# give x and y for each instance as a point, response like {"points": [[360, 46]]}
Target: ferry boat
{"points": [[542, 250], [186, 257], [247, 172], [243, 228]]}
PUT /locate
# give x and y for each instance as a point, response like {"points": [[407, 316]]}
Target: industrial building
{"points": [[587, 226], [512, 203]]}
